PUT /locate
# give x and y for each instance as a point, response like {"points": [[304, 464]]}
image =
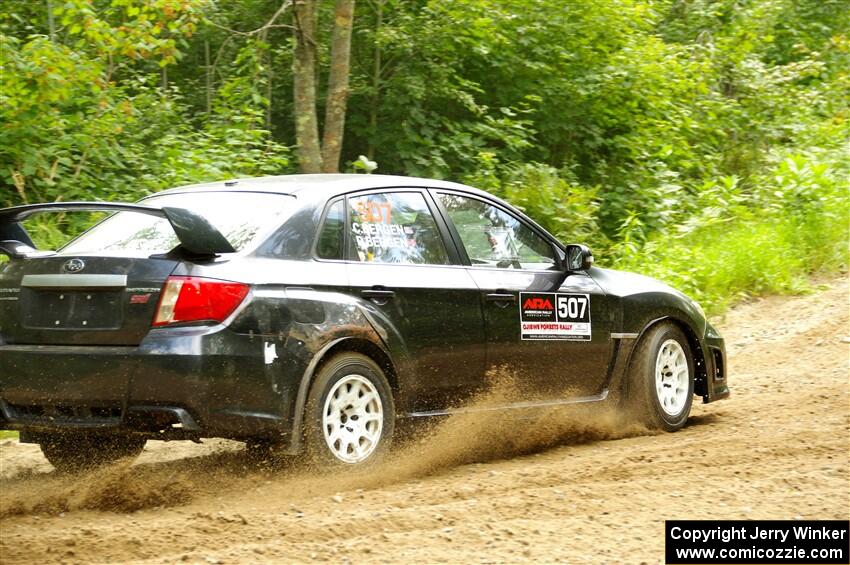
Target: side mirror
{"points": [[579, 257]]}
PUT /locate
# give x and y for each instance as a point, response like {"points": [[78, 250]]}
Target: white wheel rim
{"points": [[671, 377], [352, 419]]}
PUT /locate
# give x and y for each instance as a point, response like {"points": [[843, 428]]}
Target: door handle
{"points": [[501, 297], [379, 296]]}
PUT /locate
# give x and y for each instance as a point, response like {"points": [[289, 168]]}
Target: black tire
{"points": [[78, 452], [335, 377], [642, 394]]}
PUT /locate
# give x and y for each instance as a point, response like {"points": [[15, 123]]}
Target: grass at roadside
{"points": [[8, 434], [726, 263]]}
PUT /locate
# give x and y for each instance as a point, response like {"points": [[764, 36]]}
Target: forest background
{"points": [[704, 142]]}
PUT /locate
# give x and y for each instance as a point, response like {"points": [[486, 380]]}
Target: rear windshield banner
{"points": [[550, 315]]}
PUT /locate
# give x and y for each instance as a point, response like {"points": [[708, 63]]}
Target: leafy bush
{"points": [[561, 205], [703, 142], [71, 134], [798, 224]]}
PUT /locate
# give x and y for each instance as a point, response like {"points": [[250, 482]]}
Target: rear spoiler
{"points": [[197, 236]]}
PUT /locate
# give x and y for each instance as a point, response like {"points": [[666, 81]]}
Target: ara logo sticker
{"points": [[555, 316], [537, 307], [537, 303]]}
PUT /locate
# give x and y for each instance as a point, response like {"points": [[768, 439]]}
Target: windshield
{"points": [[240, 216]]}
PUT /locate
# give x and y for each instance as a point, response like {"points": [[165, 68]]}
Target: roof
{"points": [[324, 184]]}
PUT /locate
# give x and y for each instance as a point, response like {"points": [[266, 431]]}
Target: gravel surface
{"points": [[573, 487]]}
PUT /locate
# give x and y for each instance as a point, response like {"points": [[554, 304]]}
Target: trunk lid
{"points": [[104, 286], [80, 300]]}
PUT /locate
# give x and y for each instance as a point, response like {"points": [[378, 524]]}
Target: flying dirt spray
{"points": [[480, 430]]}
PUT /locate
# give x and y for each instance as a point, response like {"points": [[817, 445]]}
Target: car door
{"points": [[547, 332], [403, 262]]}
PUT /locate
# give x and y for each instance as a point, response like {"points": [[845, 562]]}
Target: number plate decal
{"points": [[549, 315]]}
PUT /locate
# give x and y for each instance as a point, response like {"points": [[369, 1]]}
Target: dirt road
{"points": [[585, 491]]}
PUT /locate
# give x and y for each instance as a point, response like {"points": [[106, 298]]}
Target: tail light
{"points": [[195, 299]]}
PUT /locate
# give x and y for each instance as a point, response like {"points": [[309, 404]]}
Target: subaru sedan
{"points": [[312, 313]]}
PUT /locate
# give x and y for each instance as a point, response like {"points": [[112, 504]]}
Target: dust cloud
{"points": [[478, 431]]}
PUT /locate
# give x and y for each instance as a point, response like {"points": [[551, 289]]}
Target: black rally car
{"points": [[313, 311]]}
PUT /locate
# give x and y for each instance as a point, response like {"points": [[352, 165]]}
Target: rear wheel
{"points": [[350, 414], [661, 378], [76, 452]]}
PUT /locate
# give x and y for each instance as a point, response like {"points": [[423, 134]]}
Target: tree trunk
{"points": [[304, 81], [267, 57], [376, 81], [337, 86], [208, 77], [269, 91], [51, 23]]}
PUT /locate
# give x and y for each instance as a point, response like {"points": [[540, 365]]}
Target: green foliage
{"points": [[701, 141], [796, 225], [129, 29], [565, 208], [72, 132]]}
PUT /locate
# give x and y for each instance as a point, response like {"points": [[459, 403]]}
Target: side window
{"points": [[494, 238], [395, 227], [329, 244]]}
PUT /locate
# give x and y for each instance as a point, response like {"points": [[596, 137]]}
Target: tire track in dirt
{"points": [[777, 449]]}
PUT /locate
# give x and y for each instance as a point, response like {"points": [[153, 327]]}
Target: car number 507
{"points": [[572, 307]]}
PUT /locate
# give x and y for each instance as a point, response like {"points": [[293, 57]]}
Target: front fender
{"points": [[640, 310], [637, 300], [640, 303]]}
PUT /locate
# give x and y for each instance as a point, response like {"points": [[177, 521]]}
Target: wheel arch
{"points": [[364, 347], [700, 367], [342, 345]]}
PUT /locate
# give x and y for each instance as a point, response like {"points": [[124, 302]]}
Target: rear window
{"points": [[242, 217]]}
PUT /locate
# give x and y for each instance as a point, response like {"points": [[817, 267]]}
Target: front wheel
{"points": [[661, 378], [77, 452], [350, 414]]}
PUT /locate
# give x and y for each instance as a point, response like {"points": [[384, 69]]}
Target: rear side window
{"points": [[395, 227], [329, 244], [240, 216]]}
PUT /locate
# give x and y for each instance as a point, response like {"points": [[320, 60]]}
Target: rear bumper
{"points": [[178, 383]]}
